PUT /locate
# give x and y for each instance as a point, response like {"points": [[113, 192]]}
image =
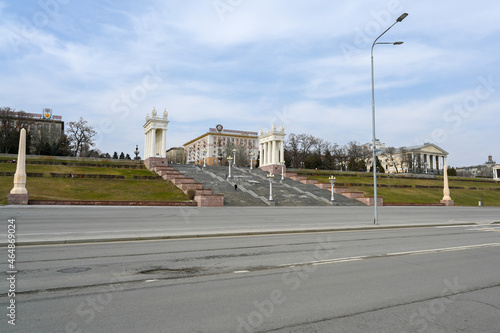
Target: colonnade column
{"points": [[163, 143], [274, 153], [282, 151], [260, 154], [269, 156], [153, 132]]}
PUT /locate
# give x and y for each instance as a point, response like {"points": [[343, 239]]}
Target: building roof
{"points": [[424, 148], [225, 132]]}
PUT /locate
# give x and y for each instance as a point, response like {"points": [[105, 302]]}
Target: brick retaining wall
{"points": [[113, 203]]}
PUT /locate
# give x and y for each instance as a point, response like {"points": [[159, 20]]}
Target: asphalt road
{"points": [[42, 224], [426, 279]]}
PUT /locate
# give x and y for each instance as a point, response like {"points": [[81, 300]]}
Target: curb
{"points": [[234, 234]]}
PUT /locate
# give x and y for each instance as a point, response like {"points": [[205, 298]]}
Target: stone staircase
{"points": [[252, 187], [203, 196], [344, 191]]}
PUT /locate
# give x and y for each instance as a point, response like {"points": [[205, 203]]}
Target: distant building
{"points": [[41, 126], [213, 145], [482, 170]]}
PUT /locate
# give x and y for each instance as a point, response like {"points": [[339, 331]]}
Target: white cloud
{"points": [[265, 61]]}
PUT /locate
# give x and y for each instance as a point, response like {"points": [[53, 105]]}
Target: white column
{"points": [[151, 153], [282, 151], [153, 132], [261, 151], [265, 153], [146, 146], [269, 153], [275, 150], [149, 144], [163, 143]]}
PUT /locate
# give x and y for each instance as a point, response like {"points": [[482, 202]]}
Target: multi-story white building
{"points": [[213, 145]]}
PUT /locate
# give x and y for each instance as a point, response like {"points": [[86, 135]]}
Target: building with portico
{"points": [[425, 158]]}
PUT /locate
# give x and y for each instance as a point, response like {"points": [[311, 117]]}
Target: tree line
{"points": [[309, 152]]}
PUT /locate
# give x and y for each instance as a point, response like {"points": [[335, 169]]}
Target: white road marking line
{"points": [[350, 259], [445, 249]]}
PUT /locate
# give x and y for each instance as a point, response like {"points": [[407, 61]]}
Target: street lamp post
{"points": [[234, 156], [332, 181], [229, 159], [270, 176], [374, 162], [205, 157], [282, 170]]}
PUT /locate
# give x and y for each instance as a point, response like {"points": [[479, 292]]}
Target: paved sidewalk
{"points": [[57, 225]]}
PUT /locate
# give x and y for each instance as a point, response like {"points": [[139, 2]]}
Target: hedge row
{"points": [[154, 177], [416, 186], [75, 175], [84, 164], [29, 174]]}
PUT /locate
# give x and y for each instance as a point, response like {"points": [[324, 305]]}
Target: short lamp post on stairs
{"points": [[234, 156], [205, 157], [230, 160], [270, 176], [282, 170], [332, 181]]}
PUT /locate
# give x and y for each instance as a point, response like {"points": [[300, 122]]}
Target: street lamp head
{"points": [[402, 17], [398, 43]]}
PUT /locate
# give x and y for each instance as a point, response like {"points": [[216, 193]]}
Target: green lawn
{"points": [[128, 189], [472, 190]]}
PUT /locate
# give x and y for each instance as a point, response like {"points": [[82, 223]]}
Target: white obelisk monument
{"points": [[446, 189], [19, 195]]}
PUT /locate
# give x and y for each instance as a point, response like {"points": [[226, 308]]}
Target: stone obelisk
{"points": [[446, 189], [19, 195]]}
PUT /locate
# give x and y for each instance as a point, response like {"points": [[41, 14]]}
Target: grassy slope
{"points": [[49, 188], [484, 191]]}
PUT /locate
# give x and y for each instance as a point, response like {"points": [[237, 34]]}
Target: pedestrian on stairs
{"points": [[236, 187]]}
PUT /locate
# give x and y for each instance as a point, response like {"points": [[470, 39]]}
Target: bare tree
{"points": [[292, 150], [306, 142], [80, 135], [389, 154], [417, 162], [366, 155], [405, 158]]}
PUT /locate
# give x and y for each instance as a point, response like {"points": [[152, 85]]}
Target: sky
{"points": [[247, 64]]}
